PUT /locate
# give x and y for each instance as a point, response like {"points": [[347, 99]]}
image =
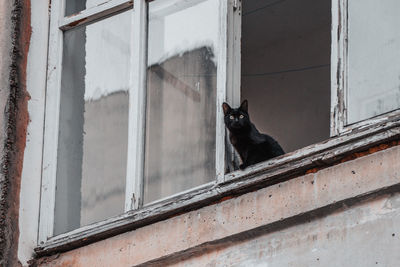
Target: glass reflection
{"points": [[181, 93], [75, 6], [374, 53], [93, 130]]}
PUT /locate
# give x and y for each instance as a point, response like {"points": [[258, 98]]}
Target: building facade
{"points": [[114, 151]]}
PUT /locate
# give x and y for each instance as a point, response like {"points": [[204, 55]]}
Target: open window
{"points": [[365, 64], [134, 126], [285, 69]]}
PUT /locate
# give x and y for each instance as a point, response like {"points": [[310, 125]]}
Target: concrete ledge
{"points": [[305, 194]]}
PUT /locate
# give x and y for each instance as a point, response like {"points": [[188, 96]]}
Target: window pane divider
{"points": [[338, 66], [52, 110], [91, 14], [137, 108], [221, 90], [234, 71]]}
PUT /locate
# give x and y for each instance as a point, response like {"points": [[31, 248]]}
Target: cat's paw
{"points": [[242, 166]]}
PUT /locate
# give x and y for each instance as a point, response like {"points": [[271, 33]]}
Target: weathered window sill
{"points": [[309, 159]]}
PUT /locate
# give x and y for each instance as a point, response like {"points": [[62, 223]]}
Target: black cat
{"points": [[252, 146]]}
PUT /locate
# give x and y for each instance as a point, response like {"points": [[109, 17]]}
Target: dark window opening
{"points": [[285, 69]]}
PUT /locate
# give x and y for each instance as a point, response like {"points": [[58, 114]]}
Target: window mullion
{"points": [[221, 90], [49, 165], [338, 66], [137, 108], [233, 70]]}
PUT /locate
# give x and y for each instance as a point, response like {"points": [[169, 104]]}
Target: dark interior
{"points": [[286, 69]]}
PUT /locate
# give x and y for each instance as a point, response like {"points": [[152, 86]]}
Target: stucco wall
{"points": [[5, 62], [6, 28], [14, 45], [367, 234], [323, 218]]}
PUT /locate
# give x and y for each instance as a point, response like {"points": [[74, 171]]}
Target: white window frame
{"points": [[339, 77], [137, 103], [344, 139]]}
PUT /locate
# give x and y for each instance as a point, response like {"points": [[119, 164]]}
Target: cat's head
{"points": [[236, 119]]}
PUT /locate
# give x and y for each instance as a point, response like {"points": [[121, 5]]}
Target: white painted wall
{"points": [[31, 172]]}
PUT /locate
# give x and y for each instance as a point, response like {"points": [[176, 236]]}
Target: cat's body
{"points": [[252, 146]]}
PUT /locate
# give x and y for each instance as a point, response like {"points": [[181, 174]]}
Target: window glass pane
{"points": [[93, 130], [75, 6], [374, 58], [181, 95]]}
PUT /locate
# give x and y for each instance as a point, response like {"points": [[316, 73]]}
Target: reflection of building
{"points": [[181, 125], [93, 136], [106, 200]]}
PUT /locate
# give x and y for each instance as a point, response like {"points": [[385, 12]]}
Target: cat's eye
{"points": [[231, 117], [241, 117]]}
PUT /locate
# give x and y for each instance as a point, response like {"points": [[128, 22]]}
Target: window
{"points": [[93, 123], [182, 78], [372, 79], [134, 127], [131, 115]]}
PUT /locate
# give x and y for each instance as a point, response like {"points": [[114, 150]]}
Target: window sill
{"points": [[310, 159]]}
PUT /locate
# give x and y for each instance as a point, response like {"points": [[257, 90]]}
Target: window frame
{"points": [[137, 103], [339, 76], [345, 139]]}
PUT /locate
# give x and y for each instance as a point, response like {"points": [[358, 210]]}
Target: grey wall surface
{"points": [[14, 46], [6, 28], [5, 62], [364, 235]]}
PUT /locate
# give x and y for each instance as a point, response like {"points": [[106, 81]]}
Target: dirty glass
{"points": [[75, 6], [93, 125], [373, 58], [181, 93]]}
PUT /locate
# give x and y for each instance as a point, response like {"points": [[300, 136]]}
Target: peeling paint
{"points": [[370, 150], [356, 155]]}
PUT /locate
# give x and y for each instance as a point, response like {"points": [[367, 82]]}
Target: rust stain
{"points": [[357, 155], [313, 170], [74, 23], [16, 128], [371, 150], [222, 200], [225, 198]]}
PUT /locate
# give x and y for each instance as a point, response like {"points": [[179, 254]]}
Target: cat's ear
{"points": [[244, 106], [226, 108]]}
